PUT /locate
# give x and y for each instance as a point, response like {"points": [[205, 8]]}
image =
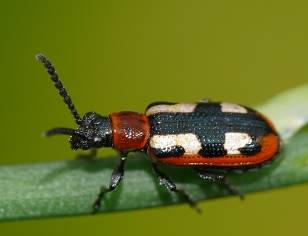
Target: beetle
{"points": [[207, 136]]}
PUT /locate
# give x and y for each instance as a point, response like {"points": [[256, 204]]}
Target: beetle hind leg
{"points": [[219, 178], [165, 181]]}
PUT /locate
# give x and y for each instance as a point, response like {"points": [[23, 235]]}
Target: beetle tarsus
{"points": [[219, 178], [165, 181], [116, 178]]}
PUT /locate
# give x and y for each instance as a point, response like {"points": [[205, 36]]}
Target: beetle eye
{"points": [[97, 139]]}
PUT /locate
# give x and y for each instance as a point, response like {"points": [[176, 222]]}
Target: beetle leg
{"points": [[218, 178], [165, 181], [89, 156], [116, 178]]}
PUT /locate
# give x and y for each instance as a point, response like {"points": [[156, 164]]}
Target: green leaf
{"points": [[288, 110], [70, 187]]}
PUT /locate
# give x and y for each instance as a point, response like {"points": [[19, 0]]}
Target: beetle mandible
{"points": [[205, 136]]}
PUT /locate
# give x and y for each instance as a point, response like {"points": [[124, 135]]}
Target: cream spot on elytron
{"points": [[177, 108], [189, 142], [234, 141], [230, 107]]}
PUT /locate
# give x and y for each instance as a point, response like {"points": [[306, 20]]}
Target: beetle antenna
{"points": [[62, 91], [55, 131]]}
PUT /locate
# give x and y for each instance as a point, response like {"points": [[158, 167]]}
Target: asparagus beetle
{"points": [[205, 136]]}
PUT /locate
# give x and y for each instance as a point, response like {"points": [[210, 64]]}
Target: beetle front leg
{"points": [[116, 178], [165, 181], [218, 178]]}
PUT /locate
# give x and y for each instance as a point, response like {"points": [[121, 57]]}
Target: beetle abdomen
{"points": [[210, 134]]}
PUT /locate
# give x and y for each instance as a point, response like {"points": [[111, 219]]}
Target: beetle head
{"points": [[94, 131]]}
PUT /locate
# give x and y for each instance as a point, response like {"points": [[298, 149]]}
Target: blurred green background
{"points": [[122, 55]]}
